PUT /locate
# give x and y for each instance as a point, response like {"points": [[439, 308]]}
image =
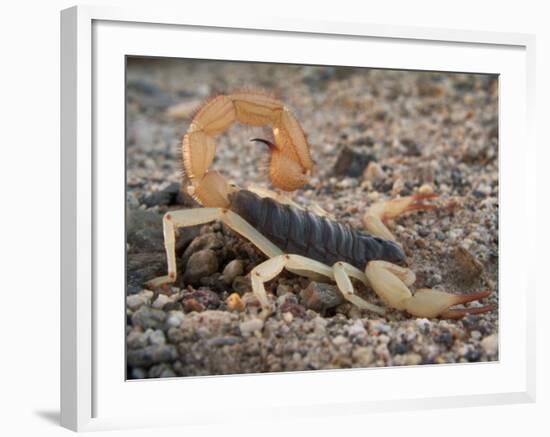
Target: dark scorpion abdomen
{"points": [[300, 232]]}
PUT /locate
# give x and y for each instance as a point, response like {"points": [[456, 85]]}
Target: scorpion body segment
{"points": [[301, 232]]}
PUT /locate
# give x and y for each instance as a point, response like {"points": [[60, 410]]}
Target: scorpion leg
{"points": [[191, 217], [388, 283], [340, 272], [378, 214]]}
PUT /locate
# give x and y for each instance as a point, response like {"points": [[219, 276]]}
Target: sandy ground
{"points": [[420, 128]]}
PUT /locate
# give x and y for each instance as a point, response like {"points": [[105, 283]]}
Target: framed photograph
{"points": [[324, 227]]}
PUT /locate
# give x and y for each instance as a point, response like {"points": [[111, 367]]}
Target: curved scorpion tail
{"points": [[290, 162]]}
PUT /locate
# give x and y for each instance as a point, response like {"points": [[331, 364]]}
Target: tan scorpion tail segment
{"points": [[290, 163]]}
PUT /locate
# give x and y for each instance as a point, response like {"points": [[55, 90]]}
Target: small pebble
{"points": [[283, 289], [425, 189], [288, 317], [357, 329], [470, 268], [136, 339], [175, 318], [234, 302], [339, 340], [233, 269], [201, 264], [320, 297], [161, 300], [374, 172], [157, 337], [250, 326], [147, 317], [476, 335], [241, 285], [134, 301]]}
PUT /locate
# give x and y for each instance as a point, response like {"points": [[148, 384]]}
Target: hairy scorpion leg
{"points": [[392, 282]]}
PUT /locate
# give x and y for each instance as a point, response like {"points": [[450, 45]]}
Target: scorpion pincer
{"points": [[301, 241]]}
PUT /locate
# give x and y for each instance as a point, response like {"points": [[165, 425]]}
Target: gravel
{"points": [[374, 135]]}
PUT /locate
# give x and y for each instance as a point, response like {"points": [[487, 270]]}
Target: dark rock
{"points": [[295, 309], [144, 230], [423, 232], [172, 306], [151, 355], [469, 268], [209, 240], [471, 320], [148, 317], [396, 347], [191, 304], [142, 267], [380, 115], [446, 338], [164, 197], [146, 240], [320, 297], [457, 178], [232, 270], [352, 162], [170, 196], [473, 152], [241, 285], [412, 148], [214, 282], [201, 264], [363, 141], [473, 355]]}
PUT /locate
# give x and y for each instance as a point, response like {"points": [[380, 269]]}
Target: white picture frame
{"points": [[93, 39]]}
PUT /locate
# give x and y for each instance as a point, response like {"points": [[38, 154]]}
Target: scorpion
{"points": [[304, 242]]}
